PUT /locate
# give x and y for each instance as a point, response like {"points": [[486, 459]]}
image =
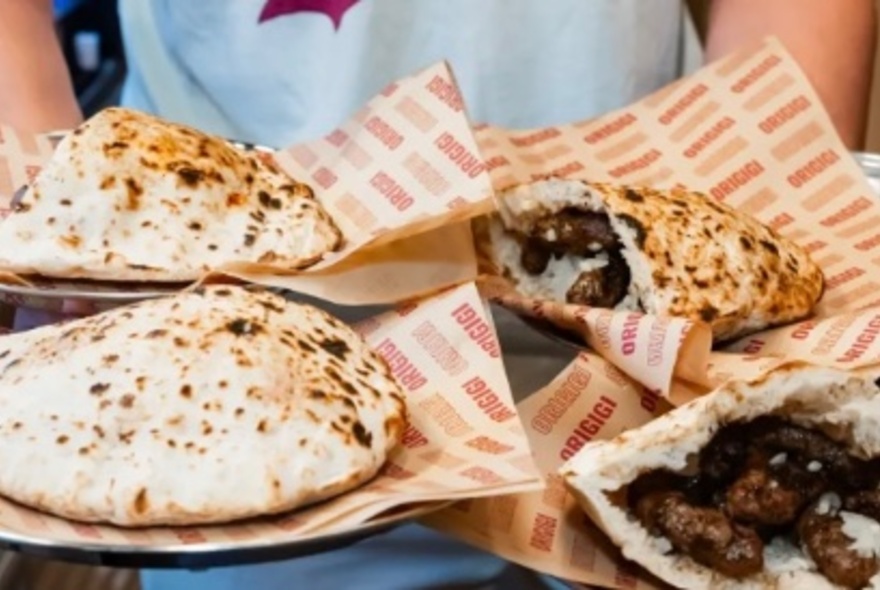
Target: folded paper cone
{"points": [[749, 132]]}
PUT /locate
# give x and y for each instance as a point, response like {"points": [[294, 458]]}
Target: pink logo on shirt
{"points": [[334, 9]]}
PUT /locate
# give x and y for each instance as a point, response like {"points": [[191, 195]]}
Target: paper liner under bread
{"points": [[748, 130], [464, 439], [545, 530], [406, 164]]}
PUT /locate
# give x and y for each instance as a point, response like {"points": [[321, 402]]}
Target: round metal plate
{"points": [[209, 555], [48, 291]]}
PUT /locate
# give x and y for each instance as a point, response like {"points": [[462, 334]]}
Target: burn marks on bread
{"points": [[315, 390], [182, 185]]}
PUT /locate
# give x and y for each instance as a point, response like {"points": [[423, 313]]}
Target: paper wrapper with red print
{"points": [[655, 349], [404, 166], [748, 130], [464, 439], [545, 530]]}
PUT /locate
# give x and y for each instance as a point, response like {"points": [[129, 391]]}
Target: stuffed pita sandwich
{"points": [[669, 253], [130, 197], [205, 407], [771, 483]]}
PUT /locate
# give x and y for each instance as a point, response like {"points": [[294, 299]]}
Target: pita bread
{"points": [[208, 406], [129, 197], [843, 405], [683, 255]]}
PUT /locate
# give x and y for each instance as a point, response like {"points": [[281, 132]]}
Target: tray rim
{"points": [[213, 554]]}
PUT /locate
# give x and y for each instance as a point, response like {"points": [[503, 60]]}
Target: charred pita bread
{"points": [[669, 253], [207, 406], [770, 483], [130, 197]]}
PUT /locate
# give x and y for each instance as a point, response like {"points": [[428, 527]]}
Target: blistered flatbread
{"points": [[670, 253], [203, 407], [130, 197], [773, 424]]}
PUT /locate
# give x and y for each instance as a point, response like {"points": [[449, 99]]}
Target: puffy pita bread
{"points": [[130, 197], [203, 407], [845, 405], [688, 256]]}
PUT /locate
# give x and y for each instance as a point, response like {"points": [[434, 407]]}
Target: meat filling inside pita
{"points": [[764, 486], [589, 242]]}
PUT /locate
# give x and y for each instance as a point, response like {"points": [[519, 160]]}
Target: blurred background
{"points": [[700, 9], [89, 31]]}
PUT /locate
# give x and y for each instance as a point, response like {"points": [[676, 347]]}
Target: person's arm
{"points": [[37, 93], [832, 40]]}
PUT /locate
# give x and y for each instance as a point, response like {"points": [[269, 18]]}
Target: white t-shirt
{"points": [[277, 72], [295, 76]]}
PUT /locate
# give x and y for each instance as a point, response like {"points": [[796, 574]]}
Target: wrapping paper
{"points": [[406, 165], [545, 530], [655, 349], [748, 130], [464, 440]]}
